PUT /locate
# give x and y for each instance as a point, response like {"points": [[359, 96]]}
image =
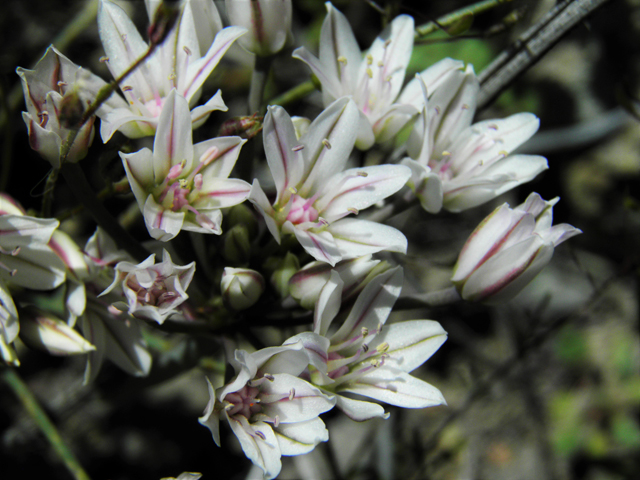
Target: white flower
{"points": [[176, 64], [182, 186], [26, 259], [268, 23], [457, 165], [45, 87], [314, 194], [508, 249], [373, 81], [154, 291], [366, 357], [270, 409]]}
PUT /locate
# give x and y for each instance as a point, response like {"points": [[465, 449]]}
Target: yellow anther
{"points": [[370, 73], [127, 88], [326, 143], [353, 210], [383, 347], [342, 60], [369, 59], [504, 153], [104, 59], [375, 363], [380, 63], [446, 153], [297, 148], [364, 331], [362, 174], [186, 50], [387, 43], [293, 190], [387, 78]]}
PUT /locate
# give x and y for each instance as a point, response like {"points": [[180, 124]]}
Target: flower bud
{"points": [[268, 23], [507, 250], [241, 287], [43, 331], [236, 247], [305, 286], [243, 215], [283, 272]]}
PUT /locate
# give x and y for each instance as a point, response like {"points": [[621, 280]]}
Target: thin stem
{"points": [[39, 416], [81, 188], [531, 46], [47, 195], [259, 77], [294, 94], [452, 18]]}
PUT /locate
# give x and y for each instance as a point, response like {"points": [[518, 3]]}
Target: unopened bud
{"points": [[242, 215], [236, 247], [245, 127], [43, 331], [241, 287], [286, 268], [268, 23]]}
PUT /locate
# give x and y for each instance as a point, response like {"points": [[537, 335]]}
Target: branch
{"points": [[531, 46]]}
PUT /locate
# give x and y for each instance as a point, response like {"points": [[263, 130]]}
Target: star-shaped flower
{"points": [[315, 193], [176, 64], [182, 186]]}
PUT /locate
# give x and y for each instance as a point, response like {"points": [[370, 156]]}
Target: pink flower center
{"points": [[302, 210]]}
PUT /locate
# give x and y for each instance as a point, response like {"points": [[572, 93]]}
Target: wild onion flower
{"points": [[508, 249], [182, 186], [177, 63], [315, 193], [270, 409]]}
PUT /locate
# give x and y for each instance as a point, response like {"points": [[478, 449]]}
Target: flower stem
{"points": [[294, 94], [47, 196], [79, 185], [35, 411], [258, 81]]}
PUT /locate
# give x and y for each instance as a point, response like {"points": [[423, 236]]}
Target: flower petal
{"points": [[411, 343], [173, 141], [396, 387], [359, 188], [359, 410], [372, 306], [355, 238], [302, 437], [199, 71], [301, 401]]}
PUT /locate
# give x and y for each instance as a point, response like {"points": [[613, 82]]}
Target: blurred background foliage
{"points": [[545, 387]]}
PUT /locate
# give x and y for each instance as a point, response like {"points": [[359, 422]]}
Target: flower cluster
{"points": [[320, 197]]}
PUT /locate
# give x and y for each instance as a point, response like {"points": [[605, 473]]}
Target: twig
{"points": [[38, 415], [452, 18], [532, 46]]}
